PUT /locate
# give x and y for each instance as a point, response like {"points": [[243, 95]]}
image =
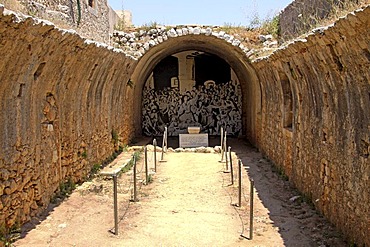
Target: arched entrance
{"points": [[192, 88], [232, 55]]}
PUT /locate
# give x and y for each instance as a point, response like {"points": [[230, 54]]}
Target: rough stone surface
{"points": [[91, 22], [64, 100], [144, 39], [326, 150], [58, 97], [302, 15]]}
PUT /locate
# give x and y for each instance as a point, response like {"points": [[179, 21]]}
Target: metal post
{"points": [[222, 136], [115, 204], [163, 143], [251, 210], [166, 143], [163, 146], [222, 144], [135, 181], [155, 154], [231, 167], [162, 154], [225, 144], [146, 165], [240, 184], [226, 160]]}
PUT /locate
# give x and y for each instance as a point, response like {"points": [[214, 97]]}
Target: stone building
{"points": [[93, 19], [124, 19]]}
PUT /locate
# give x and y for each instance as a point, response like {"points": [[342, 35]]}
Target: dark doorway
{"points": [[211, 67], [164, 71], [208, 96]]}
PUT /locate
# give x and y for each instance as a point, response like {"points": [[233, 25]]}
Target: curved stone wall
{"points": [[325, 151], [138, 43], [233, 55], [306, 107], [61, 99]]}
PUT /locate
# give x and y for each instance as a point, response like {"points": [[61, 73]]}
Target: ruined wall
{"points": [[302, 15], [122, 19], [93, 22], [325, 151], [60, 99]]}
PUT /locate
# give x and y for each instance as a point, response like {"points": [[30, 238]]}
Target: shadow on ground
{"points": [[294, 216], [294, 219], [288, 209]]}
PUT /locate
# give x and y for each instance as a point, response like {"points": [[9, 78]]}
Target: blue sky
{"points": [[207, 12]]}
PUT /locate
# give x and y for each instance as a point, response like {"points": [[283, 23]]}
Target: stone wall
{"points": [[325, 151], [95, 22], [302, 15], [59, 96], [123, 19]]}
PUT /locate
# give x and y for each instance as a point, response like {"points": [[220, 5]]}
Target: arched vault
{"points": [[233, 55]]}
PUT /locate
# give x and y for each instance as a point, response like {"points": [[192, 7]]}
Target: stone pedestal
{"points": [[193, 140]]}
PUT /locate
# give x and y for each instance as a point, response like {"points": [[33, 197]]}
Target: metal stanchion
{"points": [[231, 167], [226, 161], [166, 142], [162, 154], [135, 181], [222, 145], [240, 184], [115, 204], [146, 165], [155, 154], [222, 136], [251, 210], [225, 145], [163, 145]]}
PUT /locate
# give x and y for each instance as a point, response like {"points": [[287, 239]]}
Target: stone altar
{"points": [[193, 140]]}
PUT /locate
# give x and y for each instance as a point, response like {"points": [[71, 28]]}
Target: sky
{"points": [[206, 12]]}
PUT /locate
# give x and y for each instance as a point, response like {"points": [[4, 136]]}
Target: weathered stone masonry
{"points": [[326, 150], [301, 16], [93, 19], [61, 98]]}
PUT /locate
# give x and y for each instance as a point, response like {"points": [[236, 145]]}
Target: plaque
{"points": [[193, 140]]}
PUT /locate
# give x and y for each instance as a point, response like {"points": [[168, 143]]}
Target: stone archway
{"points": [[192, 88], [233, 55]]}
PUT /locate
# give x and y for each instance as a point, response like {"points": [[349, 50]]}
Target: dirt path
{"points": [[186, 206], [189, 203]]}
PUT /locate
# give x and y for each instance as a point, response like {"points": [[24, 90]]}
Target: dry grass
{"points": [[337, 11]]}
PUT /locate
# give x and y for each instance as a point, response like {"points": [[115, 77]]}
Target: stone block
{"points": [[193, 140]]}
